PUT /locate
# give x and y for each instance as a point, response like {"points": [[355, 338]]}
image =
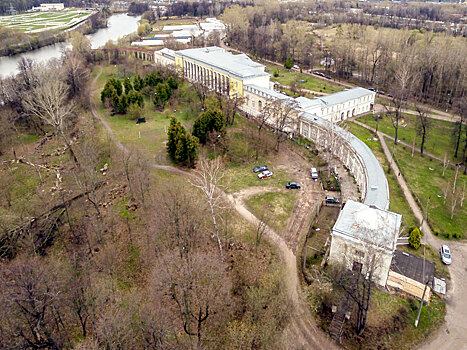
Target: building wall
{"points": [[347, 251], [322, 139]]}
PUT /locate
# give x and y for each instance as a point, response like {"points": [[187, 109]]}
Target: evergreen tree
{"points": [[128, 86], [207, 122], [288, 62], [135, 97], [138, 83], [172, 83], [122, 105], [415, 238], [175, 132], [163, 93]]}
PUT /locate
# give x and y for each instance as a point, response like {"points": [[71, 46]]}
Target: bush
{"points": [[447, 235], [457, 235], [275, 73], [415, 238], [436, 233]]}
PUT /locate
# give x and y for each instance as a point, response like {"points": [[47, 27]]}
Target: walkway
{"points": [[302, 331], [430, 155], [453, 334]]}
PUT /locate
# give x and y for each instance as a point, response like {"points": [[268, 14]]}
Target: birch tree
{"points": [[208, 178]]}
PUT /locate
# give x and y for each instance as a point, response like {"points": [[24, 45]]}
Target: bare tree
{"points": [[31, 314], [48, 101], [283, 117], [423, 126], [208, 178], [445, 162]]}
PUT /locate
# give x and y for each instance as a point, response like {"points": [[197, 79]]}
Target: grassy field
{"points": [[149, 136], [278, 205], [438, 141], [38, 21], [424, 177], [397, 201], [286, 77]]}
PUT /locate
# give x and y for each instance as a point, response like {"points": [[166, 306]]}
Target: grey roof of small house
{"points": [[368, 224], [239, 65], [377, 193], [344, 96]]}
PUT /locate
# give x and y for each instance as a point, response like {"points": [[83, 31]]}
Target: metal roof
{"points": [[269, 92], [344, 96], [240, 65], [368, 224], [377, 193], [413, 267]]}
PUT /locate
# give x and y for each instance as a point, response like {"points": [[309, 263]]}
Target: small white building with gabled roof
{"points": [[365, 237]]}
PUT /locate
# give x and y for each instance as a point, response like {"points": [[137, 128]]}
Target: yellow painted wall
{"points": [[236, 86], [179, 63]]}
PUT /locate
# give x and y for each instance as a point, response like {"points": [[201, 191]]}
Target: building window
{"points": [[253, 103], [357, 267], [260, 105], [359, 253]]}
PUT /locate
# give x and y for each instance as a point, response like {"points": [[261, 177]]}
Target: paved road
{"points": [[302, 331], [453, 335]]}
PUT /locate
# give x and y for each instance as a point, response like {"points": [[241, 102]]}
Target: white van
{"points": [[314, 174]]}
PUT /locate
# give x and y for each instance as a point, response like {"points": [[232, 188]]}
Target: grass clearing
{"points": [[438, 141], [279, 204], [397, 201], [286, 77]]}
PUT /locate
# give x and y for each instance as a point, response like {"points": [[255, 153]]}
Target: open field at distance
{"points": [[40, 21]]}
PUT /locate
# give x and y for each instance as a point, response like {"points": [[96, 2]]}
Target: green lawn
{"points": [[424, 183], [278, 205], [286, 77], [438, 141], [397, 201], [424, 177], [150, 136]]}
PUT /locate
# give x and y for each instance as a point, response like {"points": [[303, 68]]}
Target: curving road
{"points": [[302, 331]]}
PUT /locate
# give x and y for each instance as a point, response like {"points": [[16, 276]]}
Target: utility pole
{"points": [[421, 304], [425, 214]]}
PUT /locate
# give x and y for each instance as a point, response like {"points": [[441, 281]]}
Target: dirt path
{"points": [[302, 331], [404, 143], [453, 334]]}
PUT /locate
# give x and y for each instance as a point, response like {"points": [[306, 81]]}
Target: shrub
{"points": [[447, 235], [275, 73], [457, 235], [436, 233], [415, 238]]}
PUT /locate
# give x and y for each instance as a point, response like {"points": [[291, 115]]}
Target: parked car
{"points": [[295, 67], [371, 89], [381, 92], [445, 253], [316, 73], [389, 95], [314, 174], [332, 200], [265, 174], [328, 77], [260, 168], [292, 185]]}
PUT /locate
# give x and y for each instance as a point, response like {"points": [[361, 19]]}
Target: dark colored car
{"points": [[332, 200], [328, 77], [260, 168], [371, 89], [381, 92], [292, 185]]}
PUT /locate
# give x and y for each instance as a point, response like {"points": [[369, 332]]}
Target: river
{"points": [[118, 26]]}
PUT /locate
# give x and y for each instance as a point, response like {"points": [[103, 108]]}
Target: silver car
{"points": [[445, 253]]}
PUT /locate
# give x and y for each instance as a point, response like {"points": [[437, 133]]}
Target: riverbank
{"points": [[30, 42]]}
